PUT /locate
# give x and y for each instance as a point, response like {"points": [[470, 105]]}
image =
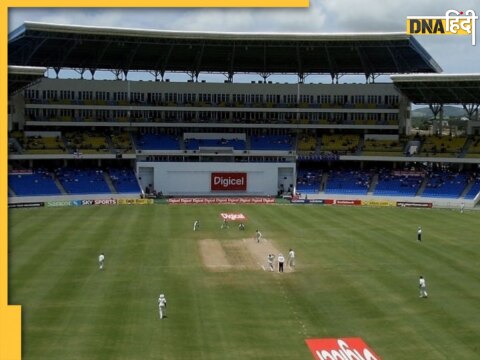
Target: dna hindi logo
{"points": [[453, 23]]}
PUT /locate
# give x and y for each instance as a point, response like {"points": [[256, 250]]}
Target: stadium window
{"points": [[102, 95]]}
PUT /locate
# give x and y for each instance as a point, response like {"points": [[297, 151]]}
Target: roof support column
{"points": [[472, 114], [436, 110]]}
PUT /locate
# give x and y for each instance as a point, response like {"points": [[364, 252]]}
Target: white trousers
{"points": [[162, 311]]}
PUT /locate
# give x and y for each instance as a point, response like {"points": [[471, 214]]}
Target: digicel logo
{"points": [[341, 349], [229, 181], [233, 216]]}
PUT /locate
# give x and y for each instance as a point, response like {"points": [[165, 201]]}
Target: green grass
{"points": [[357, 275]]}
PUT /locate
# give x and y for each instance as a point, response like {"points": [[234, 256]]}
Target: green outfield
{"points": [[357, 276]]}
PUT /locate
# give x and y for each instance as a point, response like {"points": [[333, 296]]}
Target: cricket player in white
{"points": [[462, 207], [419, 233], [162, 306], [258, 236], [423, 287], [101, 261], [291, 259], [196, 225], [270, 259]]}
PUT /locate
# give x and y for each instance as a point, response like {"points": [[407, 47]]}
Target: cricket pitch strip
{"points": [[238, 255]]}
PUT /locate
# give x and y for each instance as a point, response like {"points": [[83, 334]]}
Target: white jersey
{"points": [[101, 258], [422, 283], [162, 301], [291, 254]]}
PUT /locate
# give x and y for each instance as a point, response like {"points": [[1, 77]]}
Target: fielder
{"points": [[162, 306], [462, 207], [423, 287], [101, 261], [224, 224], [291, 259], [258, 236], [419, 233], [196, 225]]}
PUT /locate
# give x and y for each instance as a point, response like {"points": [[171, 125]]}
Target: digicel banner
{"points": [[341, 349], [229, 181]]}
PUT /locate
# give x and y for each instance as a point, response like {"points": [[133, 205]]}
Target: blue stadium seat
{"points": [[39, 182], [83, 181], [124, 181]]}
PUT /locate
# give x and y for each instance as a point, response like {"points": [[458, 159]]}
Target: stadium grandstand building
{"points": [[78, 138]]}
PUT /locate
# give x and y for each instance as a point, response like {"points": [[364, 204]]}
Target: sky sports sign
{"points": [[229, 181], [453, 23], [341, 349]]}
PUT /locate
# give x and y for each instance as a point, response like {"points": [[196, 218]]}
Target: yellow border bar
{"points": [[10, 316], [168, 4]]}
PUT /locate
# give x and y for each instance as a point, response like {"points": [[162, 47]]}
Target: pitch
{"points": [[356, 275]]}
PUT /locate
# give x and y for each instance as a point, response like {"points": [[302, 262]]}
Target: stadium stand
{"points": [[474, 148], [83, 181], [309, 181], [295, 127], [88, 142], [398, 183], [35, 183], [122, 142], [442, 146], [124, 181], [352, 182], [340, 143], [156, 142], [445, 184], [372, 147], [196, 144], [474, 190], [272, 142]]}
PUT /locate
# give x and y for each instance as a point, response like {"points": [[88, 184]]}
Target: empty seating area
{"points": [[474, 148], [122, 142], [124, 181], [196, 144], [340, 143], [38, 182], [398, 183], [157, 142], [307, 143], [83, 181], [88, 142], [352, 182], [373, 147], [272, 142], [309, 181], [43, 144], [442, 146], [445, 184], [474, 190]]}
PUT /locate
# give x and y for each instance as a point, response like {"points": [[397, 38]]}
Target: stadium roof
{"points": [[439, 88], [21, 76], [102, 48]]}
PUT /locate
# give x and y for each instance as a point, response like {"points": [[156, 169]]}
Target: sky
{"points": [[454, 54]]}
